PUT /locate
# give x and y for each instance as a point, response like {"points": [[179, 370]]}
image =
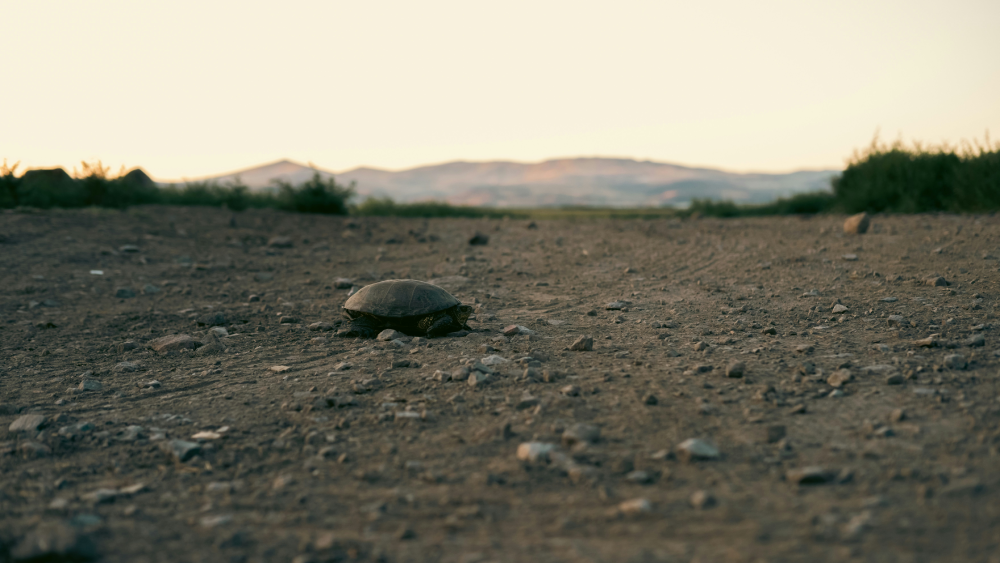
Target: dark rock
{"points": [[174, 342], [479, 239]]}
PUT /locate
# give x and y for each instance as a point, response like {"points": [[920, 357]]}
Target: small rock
{"points": [[124, 293], [342, 366], [287, 320], [838, 308], [635, 506], [126, 367], [775, 433], [857, 224], [343, 283], [174, 342], [769, 330], [390, 334], [479, 239], [493, 360], [650, 399], [582, 344], [897, 415], [850, 257], [27, 423], [937, 281], [126, 346], [639, 477], [894, 379], [955, 361], [534, 452], [182, 450], [212, 319], [150, 289], [735, 369], [976, 341], [838, 378], [929, 342], [895, 320], [219, 331], [33, 450], [514, 330], [812, 475], [616, 306], [478, 378], [320, 326], [570, 391], [280, 242], [282, 369], [90, 385], [694, 449], [263, 276], [581, 434], [700, 500]]}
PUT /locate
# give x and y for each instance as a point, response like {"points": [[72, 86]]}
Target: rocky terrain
{"points": [[645, 391]]}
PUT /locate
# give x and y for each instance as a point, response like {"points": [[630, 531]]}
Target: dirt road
{"points": [[760, 390]]}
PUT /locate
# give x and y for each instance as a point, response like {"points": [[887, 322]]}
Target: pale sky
{"points": [[189, 89]]}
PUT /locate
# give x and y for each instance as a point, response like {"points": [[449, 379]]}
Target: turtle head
{"points": [[464, 311]]}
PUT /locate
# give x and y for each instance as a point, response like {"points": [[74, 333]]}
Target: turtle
{"points": [[413, 307]]}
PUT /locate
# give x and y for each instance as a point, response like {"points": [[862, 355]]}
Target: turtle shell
{"points": [[400, 298]]}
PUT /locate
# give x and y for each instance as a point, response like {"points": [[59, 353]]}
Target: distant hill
{"points": [[612, 182]]}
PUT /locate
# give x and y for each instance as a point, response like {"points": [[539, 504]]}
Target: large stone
{"points": [[174, 342], [857, 224], [582, 344], [27, 423]]}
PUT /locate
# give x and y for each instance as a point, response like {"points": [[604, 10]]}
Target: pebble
{"points": [[894, 379], [581, 434], [812, 475], [850, 257], [263, 276], [976, 341], [701, 500], [150, 289], [90, 385], [280, 242], [639, 477], [897, 415], [123, 347], [320, 326], [288, 320], [838, 308], [570, 391], [890, 299], [212, 319], [479, 239], [478, 378], [174, 342], [929, 342], [838, 378], [126, 367], [694, 449], [494, 360], [219, 331], [282, 369], [124, 293], [182, 450], [514, 330], [635, 506], [895, 320], [616, 306], [955, 361], [27, 423], [342, 366], [857, 224], [343, 283], [582, 344], [650, 399], [937, 281], [390, 334], [534, 452], [33, 449]]}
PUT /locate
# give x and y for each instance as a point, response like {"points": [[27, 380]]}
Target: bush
{"points": [[315, 196], [50, 188], [901, 179], [8, 185], [385, 207]]}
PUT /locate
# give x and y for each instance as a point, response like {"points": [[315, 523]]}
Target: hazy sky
{"points": [[188, 89]]}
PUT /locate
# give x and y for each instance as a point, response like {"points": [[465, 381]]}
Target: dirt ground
{"points": [[869, 433]]}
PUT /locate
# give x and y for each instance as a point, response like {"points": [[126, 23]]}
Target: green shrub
{"points": [[385, 207], [8, 185], [901, 179], [315, 196], [50, 188]]}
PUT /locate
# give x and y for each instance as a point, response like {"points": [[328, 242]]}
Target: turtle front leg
{"points": [[362, 327], [443, 324]]}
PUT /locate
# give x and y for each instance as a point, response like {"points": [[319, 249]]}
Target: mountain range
{"points": [[614, 182]]}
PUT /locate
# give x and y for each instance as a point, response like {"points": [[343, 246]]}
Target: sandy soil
{"points": [[845, 438]]}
